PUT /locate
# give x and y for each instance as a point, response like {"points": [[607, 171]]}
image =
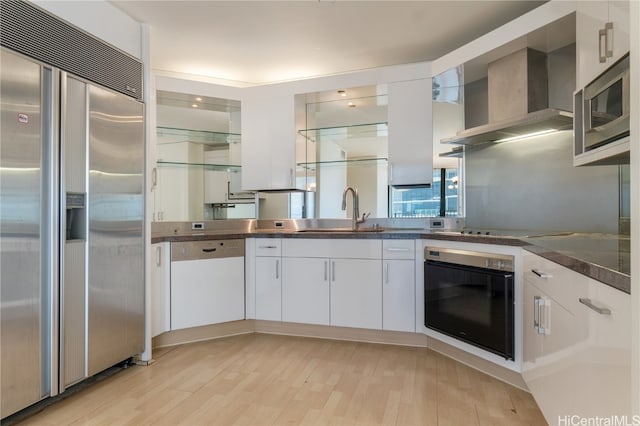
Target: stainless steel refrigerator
{"points": [[72, 246]]}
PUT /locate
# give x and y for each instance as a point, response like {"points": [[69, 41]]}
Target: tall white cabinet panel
{"points": [[268, 142], [356, 293], [305, 290], [591, 18], [160, 288], [398, 285], [268, 288], [268, 270], [398, 295], [410, 132]]}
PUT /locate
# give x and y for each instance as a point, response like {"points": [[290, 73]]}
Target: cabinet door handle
{"points": [[154, 178], [541, 315], [545, 327], [543, 275], [386, 273], [208, 250], [158, 256], [397, 249], [587, 302], [536, 314], [608, 29], [326, 265], [291, 177], [267, 247], [333, 271], [602, 45], [277, 269], [390, 172]]}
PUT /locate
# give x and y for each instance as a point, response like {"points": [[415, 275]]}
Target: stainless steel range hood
{"points": [[518, 102]]}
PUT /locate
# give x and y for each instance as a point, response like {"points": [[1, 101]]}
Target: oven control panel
{"points": [[493, 261]]}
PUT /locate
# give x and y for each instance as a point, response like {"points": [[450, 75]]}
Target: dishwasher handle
{"points": [[208, 250]]}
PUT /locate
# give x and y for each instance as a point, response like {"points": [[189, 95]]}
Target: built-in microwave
{"points": [[605, 106]]}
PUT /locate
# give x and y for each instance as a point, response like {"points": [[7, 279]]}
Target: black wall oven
{"points": [[469, 296]]}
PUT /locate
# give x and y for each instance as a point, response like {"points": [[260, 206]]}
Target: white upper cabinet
{"points": [[268, 148], [410, 132], [598, 45]]}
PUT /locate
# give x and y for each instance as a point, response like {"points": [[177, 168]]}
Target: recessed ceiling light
{"points": [[194, 105], [199, 99]]}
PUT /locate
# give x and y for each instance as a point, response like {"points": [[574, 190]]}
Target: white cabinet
{"points": [[593, 38], [356, 293], [603, 358], [549, 337], [305, 290], [410, 132], [268, 141], [332, 282], [576, 356], [268, 270], [160, 288], [398, 285], [206, 291]]}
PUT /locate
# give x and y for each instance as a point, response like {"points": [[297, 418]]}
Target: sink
{"points": [[329, 230]]}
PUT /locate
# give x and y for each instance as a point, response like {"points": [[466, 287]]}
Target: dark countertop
{"points": [[603, 257]]}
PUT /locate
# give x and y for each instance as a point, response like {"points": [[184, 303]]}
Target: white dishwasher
{"points": [[207, 282]]}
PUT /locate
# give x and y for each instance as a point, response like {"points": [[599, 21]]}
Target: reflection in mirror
{"points": [[448, 160], [198, 159], [437, 199], [344, 144]]}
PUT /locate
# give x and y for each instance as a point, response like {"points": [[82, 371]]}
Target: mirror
{"points": [[344, 144], [448, 118], [198, 159]]}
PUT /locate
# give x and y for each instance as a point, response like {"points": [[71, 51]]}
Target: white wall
{"points": [[101, 19]]}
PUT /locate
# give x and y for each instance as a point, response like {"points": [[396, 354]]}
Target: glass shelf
{"points": [[203, 166], [204, 137], [351, 132], [360, 162]]}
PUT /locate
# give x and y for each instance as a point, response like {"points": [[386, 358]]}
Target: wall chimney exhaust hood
{"points": [[518, 102]]}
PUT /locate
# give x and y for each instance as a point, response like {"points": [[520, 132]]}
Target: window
{"points": [[427, 200]]}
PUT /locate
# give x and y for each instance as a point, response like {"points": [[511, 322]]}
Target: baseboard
{"points": [[216, 331], [341, 333], [205, 332], [487, 367]]}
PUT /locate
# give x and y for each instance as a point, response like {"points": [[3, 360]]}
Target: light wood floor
{"points": [[260, 379]]}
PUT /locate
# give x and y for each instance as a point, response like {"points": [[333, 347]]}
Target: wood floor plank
{"points": [[262, 379]]}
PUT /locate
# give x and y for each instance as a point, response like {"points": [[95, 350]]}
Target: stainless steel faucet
{"points": [[355, 220]]}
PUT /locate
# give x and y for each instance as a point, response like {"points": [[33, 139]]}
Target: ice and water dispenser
{"points": [[76, 217]]}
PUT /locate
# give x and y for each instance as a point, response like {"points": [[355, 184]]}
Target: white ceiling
{"points": [[258, 42]]}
